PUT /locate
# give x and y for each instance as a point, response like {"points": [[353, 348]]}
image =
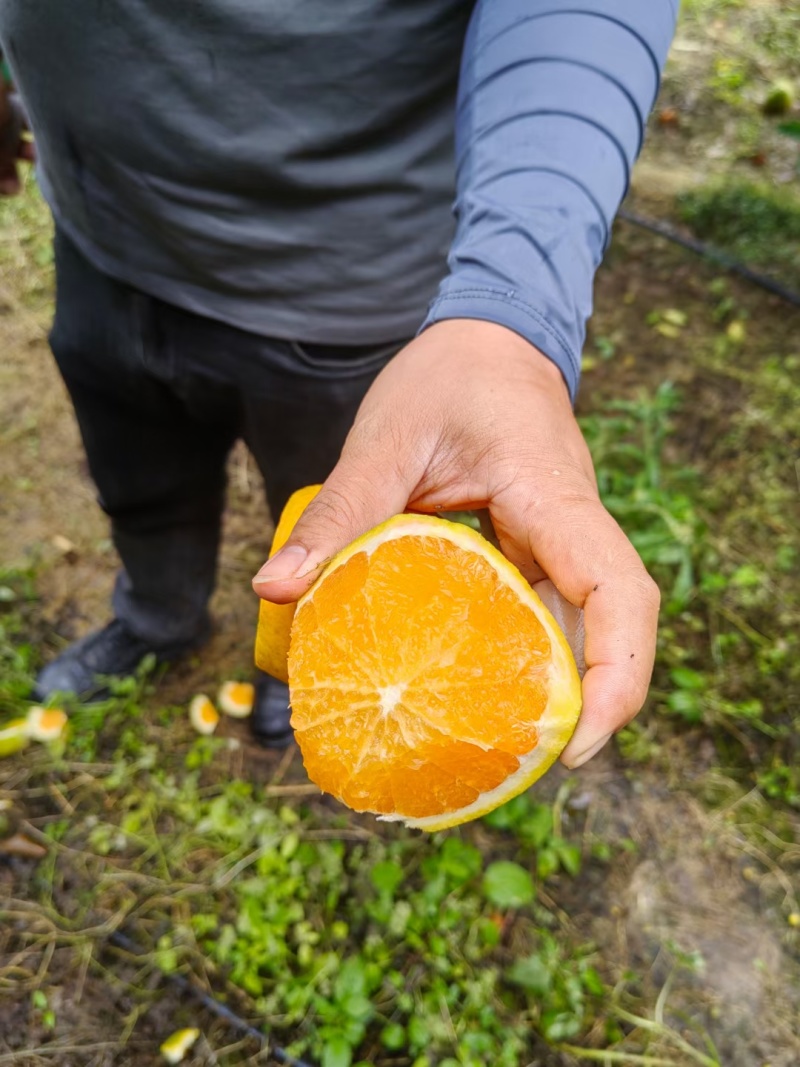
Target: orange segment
{"points": [[428, 682]]}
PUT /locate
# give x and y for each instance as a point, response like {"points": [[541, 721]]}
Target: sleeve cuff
{"points": [[515, 314]]}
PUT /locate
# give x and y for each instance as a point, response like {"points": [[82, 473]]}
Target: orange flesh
{"points": [[409, 695], [240, 693], [207, 712], [52, 718]]}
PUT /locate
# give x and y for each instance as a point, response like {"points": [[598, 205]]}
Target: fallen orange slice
{"points": [[45, 724], [13, 737], [236, 699], [275, 620], [428, 681], [203, 716], [177, 1045]]}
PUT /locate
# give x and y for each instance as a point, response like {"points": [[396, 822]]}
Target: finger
{"points": [[621, 603], [594, 566], [516, 553], [361, 492]]}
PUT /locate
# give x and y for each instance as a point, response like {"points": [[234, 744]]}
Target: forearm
{"points": [[551, 114]]}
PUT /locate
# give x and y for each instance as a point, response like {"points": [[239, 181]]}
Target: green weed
{"points": [[759, 224], [656, 508]]}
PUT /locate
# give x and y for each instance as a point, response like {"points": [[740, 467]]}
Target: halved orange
{"points": [[428, 681]]}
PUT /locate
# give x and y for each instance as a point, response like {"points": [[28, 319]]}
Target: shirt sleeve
{"points": [[551, 112]]}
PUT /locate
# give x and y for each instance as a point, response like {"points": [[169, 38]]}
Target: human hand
{"points": [[14, 146], [470, 415]]}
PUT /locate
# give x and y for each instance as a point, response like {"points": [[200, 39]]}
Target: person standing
{"points": [[254, 239]]}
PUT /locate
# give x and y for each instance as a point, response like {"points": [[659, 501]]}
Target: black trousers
{"points": [[161, 395]]}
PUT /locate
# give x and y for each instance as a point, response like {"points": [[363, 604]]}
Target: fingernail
{"points": [[284, 564], [584, 757]]}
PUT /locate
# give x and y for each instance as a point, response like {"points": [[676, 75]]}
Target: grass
{"points": [[757, 223], [718, 139], [339, 938]]}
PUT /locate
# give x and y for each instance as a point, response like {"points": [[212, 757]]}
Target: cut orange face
{"points": [[428, 682]]}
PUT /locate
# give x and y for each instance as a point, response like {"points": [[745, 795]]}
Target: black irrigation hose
{"points": [[707, 251], [122, 941]]}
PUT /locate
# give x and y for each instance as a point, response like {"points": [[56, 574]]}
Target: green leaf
{"points": [[386, 876], [39, 999], [557, 1026], [337, 1052], [592, 982], [537, 827], [687, 704], [546, 862], [532, 974], [675, 316], [570, 856], [466, 518], [460, 860], [489, 933], [507, 885], [419, 1033], [686, 678], [747, 576], [508, 815], [351, 981], [393, 1037], [357, 1007]]}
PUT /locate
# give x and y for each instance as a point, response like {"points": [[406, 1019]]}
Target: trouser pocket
{"points": [[343, 361]]}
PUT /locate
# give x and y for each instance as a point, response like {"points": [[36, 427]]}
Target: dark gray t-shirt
{"points": [[289, 154], [287, 165]]}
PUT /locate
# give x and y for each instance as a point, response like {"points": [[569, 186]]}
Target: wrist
{"points": [[542, 327], [500, 344]]}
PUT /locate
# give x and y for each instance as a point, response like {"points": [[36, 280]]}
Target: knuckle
{"points": [[633, 699], [333, 509], [649, 592]]}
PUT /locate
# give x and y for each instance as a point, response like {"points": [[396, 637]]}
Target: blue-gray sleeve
{"points": [[552, 106]]}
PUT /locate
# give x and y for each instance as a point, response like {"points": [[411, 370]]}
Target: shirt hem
{"points": [[304, 326]]}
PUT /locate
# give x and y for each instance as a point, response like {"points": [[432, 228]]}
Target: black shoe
{"points": [[113, 651], [269, 721]]}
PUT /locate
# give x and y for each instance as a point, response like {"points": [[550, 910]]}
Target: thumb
{"points": [[360, 493]]}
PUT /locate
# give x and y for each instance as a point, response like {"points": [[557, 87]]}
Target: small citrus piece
{"points": [[13, 737], [45, 724], [176, 1046], [428, 681], [236, 699], [275, 620], [203, 716]]}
